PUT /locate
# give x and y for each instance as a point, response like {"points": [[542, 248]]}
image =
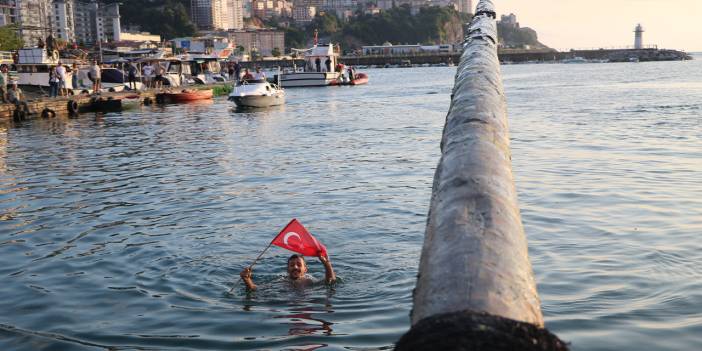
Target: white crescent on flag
{"points": [[288, 235]]}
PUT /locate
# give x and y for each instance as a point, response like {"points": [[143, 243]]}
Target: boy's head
{"points": [[296, 267]]}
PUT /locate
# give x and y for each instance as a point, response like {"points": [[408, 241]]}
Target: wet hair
{"points": [[294, 256]]}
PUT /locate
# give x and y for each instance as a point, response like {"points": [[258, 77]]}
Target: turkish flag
{"points": [[295, 237]]}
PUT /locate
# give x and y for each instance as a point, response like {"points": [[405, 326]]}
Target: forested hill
{"points": [[519, 37], [432, 25], [168, 18]]}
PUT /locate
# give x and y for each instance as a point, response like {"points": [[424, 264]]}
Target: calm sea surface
{"points": [[126, 231]]}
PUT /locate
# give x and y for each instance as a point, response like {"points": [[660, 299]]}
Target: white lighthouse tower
{"points": [[638, 38]]}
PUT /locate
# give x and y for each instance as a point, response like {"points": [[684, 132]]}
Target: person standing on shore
{"points": [[147, 71], [95, 74], [3, 83], [158, 71], [237, 72], [61, 75], [131, 76], [74, 76], [53, 82]]}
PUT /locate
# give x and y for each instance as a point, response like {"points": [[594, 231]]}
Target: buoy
{"points": [[73, 107]]}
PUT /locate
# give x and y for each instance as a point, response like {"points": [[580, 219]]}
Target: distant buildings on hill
{"points": [[73, 21], [229, 14], [217, 14]]}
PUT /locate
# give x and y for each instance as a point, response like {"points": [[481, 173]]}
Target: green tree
{"points": [[276, 52], [9, 38]]}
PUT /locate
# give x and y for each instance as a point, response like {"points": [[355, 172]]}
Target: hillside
{"points": [[518, 37]]}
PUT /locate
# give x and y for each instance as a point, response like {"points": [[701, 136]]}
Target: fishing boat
{"points": [[320, 68], [258, 93], [185, 95]]}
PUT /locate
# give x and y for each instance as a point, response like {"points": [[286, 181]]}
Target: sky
{"points": [[580, 24]]}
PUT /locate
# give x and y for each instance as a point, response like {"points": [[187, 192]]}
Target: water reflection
{"points": [[299, 324]]}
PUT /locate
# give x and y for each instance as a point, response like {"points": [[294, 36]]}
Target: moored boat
{"points": [[184, 95], [257, 93], [359, 79]]}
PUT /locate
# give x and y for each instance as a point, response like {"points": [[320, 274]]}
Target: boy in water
{"points": [[297, 269]]}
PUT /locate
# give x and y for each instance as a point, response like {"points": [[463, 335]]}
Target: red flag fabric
{"points": [[295, 237]]}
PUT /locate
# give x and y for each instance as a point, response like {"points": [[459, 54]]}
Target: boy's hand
{"points": [[323, 259]]}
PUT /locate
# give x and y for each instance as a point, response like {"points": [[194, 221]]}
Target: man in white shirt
{"points": [[147, 72], [61, 75], [96, 75], [259, 75]]}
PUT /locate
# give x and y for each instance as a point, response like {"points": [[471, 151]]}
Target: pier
{"points": [[475, 288], [45, 107]]}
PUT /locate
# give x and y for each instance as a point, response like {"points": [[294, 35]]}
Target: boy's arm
{"points": [[330, 276], [246, 277]]}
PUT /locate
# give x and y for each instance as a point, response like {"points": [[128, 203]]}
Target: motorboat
{"points": [[185, 95], [320, 68], [257, 93], [576, 59]]}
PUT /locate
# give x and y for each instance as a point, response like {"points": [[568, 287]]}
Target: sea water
{"points": [[128, 230]]}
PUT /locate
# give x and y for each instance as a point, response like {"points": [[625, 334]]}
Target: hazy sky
{"points": [[566, 24]]}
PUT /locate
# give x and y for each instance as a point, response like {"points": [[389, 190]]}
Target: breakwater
{"points": [[521, 56]]}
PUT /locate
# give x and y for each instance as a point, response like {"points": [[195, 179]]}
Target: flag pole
{"points": [[256, 260], [261, 254]]}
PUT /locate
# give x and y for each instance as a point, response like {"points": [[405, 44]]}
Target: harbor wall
{"points": [[521, 56]]}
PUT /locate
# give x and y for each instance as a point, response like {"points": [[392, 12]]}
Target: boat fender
{"points": [[48, 113], [148, 101], [73, 107]]}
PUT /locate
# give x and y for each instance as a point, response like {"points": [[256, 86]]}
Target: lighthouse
{"points": [[638, 38]]}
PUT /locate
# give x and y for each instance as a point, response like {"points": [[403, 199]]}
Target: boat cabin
{"points": [[321, 58]]}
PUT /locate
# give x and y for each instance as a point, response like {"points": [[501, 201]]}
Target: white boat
{"points": [[320, 68], [576, 59], [257, 93]]}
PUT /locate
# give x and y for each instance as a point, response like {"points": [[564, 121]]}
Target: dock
{"points": [[46, 107]]}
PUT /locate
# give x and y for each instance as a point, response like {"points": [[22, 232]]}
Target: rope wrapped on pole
{"points": [[475, 289]]}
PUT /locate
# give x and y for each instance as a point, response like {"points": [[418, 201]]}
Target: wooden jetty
{"points": [[72, 105], [475, 288]]}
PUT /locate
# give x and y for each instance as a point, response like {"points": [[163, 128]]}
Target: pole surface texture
{"points": [[474, 272]]}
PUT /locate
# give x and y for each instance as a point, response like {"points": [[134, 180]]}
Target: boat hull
{"points": [[308, 79], [185, 96], [258, 101]]}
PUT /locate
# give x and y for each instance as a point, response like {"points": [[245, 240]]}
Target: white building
{"points": [[304, 14], [34, 19], [234, 18], [63, 25], [7, 12], [217, 14]]}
